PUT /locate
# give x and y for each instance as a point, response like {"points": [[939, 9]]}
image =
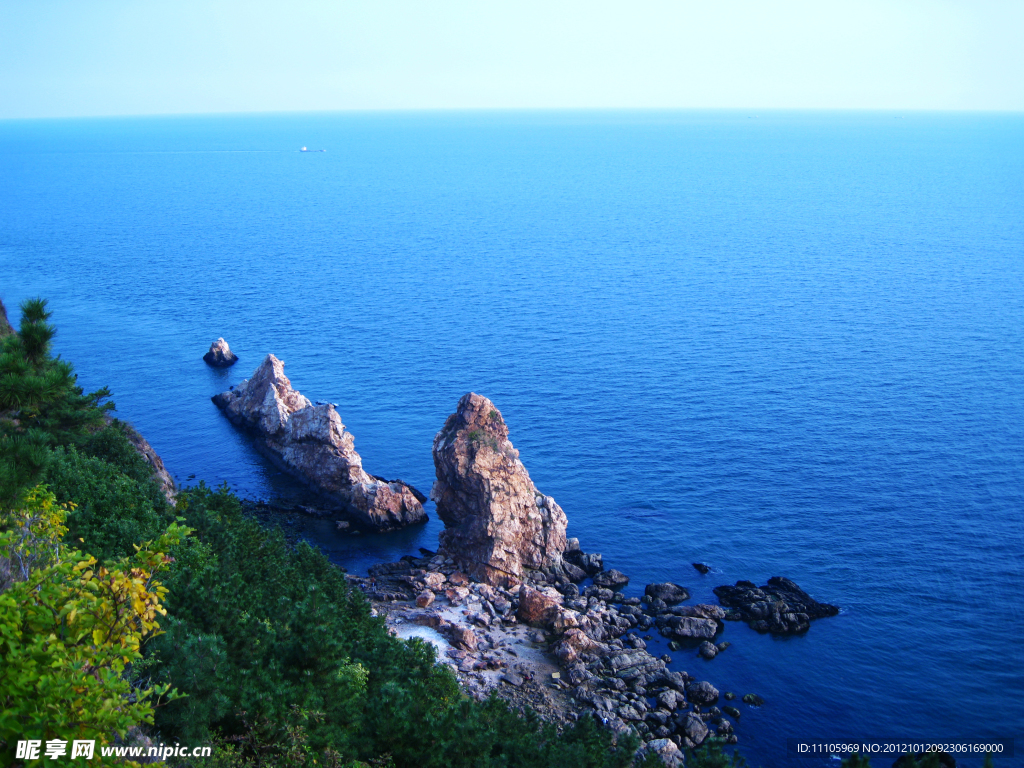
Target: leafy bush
{"points": [[69, 631]]}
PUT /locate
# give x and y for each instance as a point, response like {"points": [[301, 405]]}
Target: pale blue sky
{"points": [[115, 57]]}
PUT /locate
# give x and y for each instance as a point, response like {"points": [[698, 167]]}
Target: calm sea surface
{"points": [[781, 343]]}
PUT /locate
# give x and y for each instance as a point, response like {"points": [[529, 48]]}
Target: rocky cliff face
{"points": [[310, 442], [496, 521], [160, 473]]}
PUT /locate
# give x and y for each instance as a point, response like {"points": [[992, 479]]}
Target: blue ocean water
{"points": [[781, 343]]}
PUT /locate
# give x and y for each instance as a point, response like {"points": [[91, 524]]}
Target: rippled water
{"points": [[788, 344]]}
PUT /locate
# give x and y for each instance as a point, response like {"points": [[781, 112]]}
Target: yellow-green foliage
{"points": [[71, 628]]}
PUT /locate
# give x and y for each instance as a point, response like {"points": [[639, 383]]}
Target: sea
{"points": [[779, 343]]}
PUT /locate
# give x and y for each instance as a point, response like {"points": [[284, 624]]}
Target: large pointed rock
{"points": [[310, 442], [496, 521]]}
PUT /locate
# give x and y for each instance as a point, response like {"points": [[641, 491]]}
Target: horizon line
{"points": [[437, 110]]}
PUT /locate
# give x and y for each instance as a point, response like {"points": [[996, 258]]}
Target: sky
{"points": [[69, 58]]}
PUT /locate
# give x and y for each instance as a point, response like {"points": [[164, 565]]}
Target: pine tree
{"points": [[41, 403]]}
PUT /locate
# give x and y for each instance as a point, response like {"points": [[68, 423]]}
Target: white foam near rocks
{"points": [[407, 630]]}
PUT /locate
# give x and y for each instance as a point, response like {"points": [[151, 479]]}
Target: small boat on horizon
{"points": [[304, 149]]}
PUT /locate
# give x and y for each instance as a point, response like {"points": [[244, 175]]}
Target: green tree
{"points": [[41, 403]]}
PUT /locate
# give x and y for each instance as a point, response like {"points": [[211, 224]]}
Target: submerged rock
{"points": [[496, 521], [220, 355], [708, 650], [311, 443], [702, 692], [780, 606]]}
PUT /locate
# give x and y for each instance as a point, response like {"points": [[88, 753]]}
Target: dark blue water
{"points": [[785, 345]]}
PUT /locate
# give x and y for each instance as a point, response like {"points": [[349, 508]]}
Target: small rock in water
{"points": [[701, 567], [753, 700], [667, 592], [220, 355], [723, 645], [731, 711], [729, 695], [708, 650], [613, 580], [780, 606]]}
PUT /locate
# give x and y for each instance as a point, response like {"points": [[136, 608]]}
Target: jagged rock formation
{"points": [[311, 443], [220, 355], [779, 607], [497, 524]]}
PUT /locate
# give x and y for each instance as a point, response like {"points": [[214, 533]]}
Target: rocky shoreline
{"points": [[511, 604]]}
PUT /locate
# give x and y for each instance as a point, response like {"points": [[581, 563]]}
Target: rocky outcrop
{"points": [[497, 524], [160, 474], [779, 607], [667, 591], [220, 355], [311, 443]]}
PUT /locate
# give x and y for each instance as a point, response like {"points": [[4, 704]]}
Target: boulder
{"points": [[220, 355], [590, 564], [707, 650], [536, 608], [424, 599], [694, 729], [694, 628], [667, 751], [434, 580], [574, 643], [461, 637], [613, 580], [573, 572], [668, 592], [753, 700], [670, 700], [701, 611], [702, 568], [496, 521], [702, 692], [310, 443], [779, 607]]}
